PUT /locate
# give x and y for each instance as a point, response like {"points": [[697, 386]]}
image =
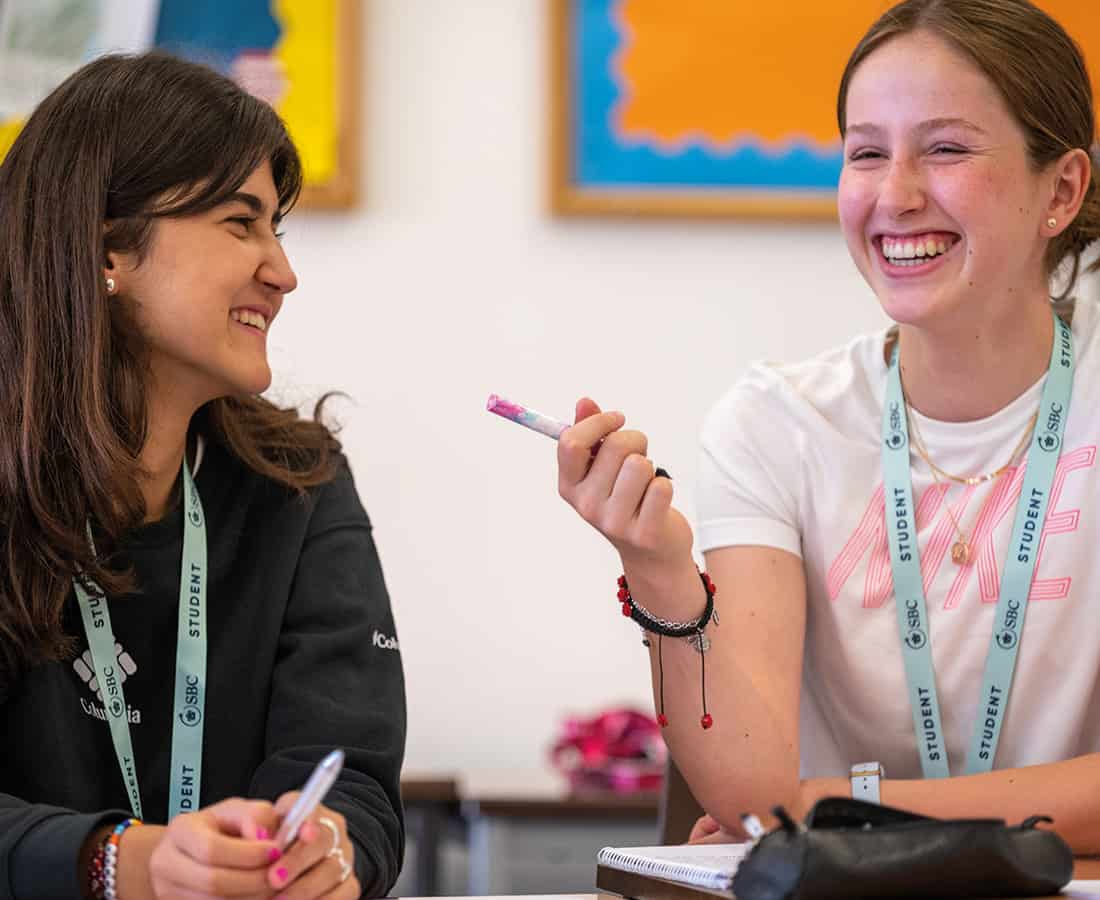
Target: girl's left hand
{"points": [[707, 830], [320, 863]]}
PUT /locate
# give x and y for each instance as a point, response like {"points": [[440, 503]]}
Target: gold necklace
{"points": [[960, 550], [918, 443]]}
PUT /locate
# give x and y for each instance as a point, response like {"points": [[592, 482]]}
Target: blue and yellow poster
{"points": [[295, 54]]}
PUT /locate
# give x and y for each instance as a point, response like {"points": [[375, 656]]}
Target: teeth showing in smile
{"points": [[912, 251], [249, 317]]}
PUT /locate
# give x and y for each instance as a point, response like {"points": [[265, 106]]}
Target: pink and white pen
{"points": [[536, 421], [528, 418]]}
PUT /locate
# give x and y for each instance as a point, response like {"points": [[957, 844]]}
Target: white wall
{"points": [[452, 282]]}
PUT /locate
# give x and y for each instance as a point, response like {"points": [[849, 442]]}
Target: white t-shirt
{"points": [[791, 458]]}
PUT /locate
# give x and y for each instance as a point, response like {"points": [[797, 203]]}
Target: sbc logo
{"points": [[191, 714], [896, 440], [915, 639], [1006, 640], [196, 513], [191, 717], [1048, 442]]}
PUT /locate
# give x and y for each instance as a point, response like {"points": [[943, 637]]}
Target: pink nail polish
{"points": [[281, 873], [274, 853], [261, 834]]}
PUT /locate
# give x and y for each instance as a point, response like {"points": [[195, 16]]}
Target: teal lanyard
{"points": [[190, 694], [1016, 579]]}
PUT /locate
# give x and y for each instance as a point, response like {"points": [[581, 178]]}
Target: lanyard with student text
{"points": [[190, 689], [1019, 570]]}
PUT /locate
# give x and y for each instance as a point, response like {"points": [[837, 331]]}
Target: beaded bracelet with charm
{"points": [[691, 630]]}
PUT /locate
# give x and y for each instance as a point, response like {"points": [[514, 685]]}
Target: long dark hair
{"points": [[123, 141], [1039, 70]]}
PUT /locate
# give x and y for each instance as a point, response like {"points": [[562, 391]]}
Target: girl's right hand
{"points": [[605, 475], [223, 850]]}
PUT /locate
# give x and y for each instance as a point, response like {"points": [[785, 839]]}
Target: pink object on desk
{"points": [[619, 750]]}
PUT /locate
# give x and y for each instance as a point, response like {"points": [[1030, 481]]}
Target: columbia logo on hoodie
{"points": [[85, 668]]}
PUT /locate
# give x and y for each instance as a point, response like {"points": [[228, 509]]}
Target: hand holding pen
{"points": [[318, 856], [606, 476]]}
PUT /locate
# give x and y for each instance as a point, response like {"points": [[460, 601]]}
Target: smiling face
{"points": [[207, 291], [939, 203]]}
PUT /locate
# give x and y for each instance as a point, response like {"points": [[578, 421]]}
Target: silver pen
{"points": [[320, 780]]}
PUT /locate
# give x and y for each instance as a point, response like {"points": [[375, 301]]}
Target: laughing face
{"points": [[207, 291], [940, 205]]}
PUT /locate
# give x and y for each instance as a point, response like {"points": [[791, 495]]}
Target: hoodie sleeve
{"points": [[39, 848], [338, 682]]}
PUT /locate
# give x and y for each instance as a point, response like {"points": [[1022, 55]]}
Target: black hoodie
{"points": [[302, 658]]}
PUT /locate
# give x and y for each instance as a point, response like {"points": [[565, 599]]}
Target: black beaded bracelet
{"points": [[663, 628]]}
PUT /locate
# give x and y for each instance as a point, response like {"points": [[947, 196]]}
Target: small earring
{"points": [[110, 285], [1052, 222]]}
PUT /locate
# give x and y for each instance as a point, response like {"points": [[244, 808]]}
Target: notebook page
{"points": [[702, 865]]}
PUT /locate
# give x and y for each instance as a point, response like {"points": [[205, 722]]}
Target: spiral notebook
{"points": [[700, 865]]}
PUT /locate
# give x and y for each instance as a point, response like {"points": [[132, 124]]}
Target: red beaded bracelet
{"points": [[692, 631]]}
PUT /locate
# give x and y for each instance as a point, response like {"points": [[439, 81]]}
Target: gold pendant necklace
{"points": [[961, 550]]}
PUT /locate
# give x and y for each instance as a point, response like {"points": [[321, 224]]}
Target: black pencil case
{"points": [[852, 849]]}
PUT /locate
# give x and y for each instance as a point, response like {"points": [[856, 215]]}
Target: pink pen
{"points": [[528, 418], [536, 421]]}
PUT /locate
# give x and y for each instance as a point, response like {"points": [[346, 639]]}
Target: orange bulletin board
{"points": [[712, 107]]}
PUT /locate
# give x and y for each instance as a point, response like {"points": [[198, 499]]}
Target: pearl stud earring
{"points": [[1052, 222], [110, 285]]}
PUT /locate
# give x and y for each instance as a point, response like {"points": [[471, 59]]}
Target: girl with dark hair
{"points": [[902, 532], [192, 610]]}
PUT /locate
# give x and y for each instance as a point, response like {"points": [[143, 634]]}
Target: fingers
{"points": [[194, 858], [181, 892], [255, 820], [610, 497], [312, 867], [604, 473], [719, 837], [227, 835], [285, 802], [705, 825], [627, 493], [577, 442], [323, 880], [305, 853], [583, 478], [176, 874], [649, 524], [586, 407], [613, 453]]}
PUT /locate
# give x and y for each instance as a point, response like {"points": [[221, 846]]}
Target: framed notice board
{"points": [[302, 56], [711, 107]]}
